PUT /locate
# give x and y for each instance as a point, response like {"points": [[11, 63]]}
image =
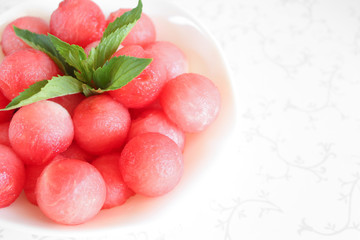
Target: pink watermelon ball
{"points": [[117, 192], [5, 115], [141, 34], [4, 133], [40, 131], [70, 191], [69, 102], [32, 174], [76, 152], [191, 101], [90, 46], [145, 88], [22, 68], [157, 121], [10, 42], [101, 124], [12, 176], [169, 55], [151, 164], [137, 112], [132, 50], [78, 22], [141, 91]]}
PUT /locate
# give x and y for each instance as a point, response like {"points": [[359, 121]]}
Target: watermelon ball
{"points": [[76, 152], [137, 112], [23, 68], [32, 173], [132, 51], [143, 89], [101, 124], [90, 46], [117, 192], [141, 34], [12, 176], [78, 22], [4, 133], [70, 191], [69, 102], [39, 131], [10, 42], [191, 101], [157, 121], [169, 55], [5, 115], [151, 164]]}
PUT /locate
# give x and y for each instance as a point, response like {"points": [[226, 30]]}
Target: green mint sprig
{"points": [[93, 74]]}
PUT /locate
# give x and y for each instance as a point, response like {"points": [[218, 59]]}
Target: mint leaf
{"points": [[46, 89], [117, 72], [113, 35], [89, 91], [43, 43], [108, 46], [75, 56]]}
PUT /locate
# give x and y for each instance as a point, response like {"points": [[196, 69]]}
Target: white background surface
{"points": [[294, 169]]}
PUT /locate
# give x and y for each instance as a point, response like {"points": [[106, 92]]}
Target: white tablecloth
{"points": [[296, 158]]}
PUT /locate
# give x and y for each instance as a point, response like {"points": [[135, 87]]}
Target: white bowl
{"points": [[201, 151]]}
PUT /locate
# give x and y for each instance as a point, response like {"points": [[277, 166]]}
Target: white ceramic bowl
{"points": [[201, 150]]}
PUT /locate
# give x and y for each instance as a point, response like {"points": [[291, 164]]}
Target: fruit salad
{"points": [[95, 110]]}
